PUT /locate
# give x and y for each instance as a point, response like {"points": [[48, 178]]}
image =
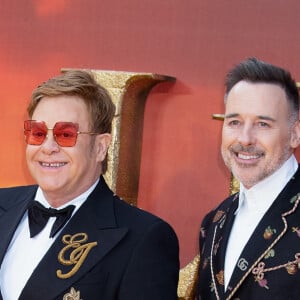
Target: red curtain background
{"points": [[196, 41]]}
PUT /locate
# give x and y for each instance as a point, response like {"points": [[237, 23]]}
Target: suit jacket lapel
{"points": [[218, 250], [11, 216], [266, 235], [94, 221]]}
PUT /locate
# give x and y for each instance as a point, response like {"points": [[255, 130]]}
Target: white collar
{"points": [[262, 195]]}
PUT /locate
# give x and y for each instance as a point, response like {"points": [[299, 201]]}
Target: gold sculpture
{"points": [[129, 92]]}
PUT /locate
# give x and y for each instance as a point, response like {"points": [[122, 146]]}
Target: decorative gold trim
{"points": [[77, 256]]}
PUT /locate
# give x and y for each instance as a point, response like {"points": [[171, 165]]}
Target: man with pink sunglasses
{"points": [[69, 236]]}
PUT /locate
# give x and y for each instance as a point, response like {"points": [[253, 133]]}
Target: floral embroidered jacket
{"points": [[269, 265]]}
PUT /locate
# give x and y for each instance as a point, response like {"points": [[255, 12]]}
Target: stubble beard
{"points": [[259, 173]]}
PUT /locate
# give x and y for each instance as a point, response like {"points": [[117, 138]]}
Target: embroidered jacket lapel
{"points": [[268, 233], [96, 220], [217, 257]]}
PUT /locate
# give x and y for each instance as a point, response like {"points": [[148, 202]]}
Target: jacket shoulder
{"points": [[134, 217], [11, 195]]}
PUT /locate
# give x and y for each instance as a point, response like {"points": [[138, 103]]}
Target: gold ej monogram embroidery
{"points": [[77, 256]]}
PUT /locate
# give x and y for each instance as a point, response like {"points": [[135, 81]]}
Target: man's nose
{"points": [[247, 135], [50, 145]]}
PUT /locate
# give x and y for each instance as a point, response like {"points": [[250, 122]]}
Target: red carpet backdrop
{"points": [[182, 174]]}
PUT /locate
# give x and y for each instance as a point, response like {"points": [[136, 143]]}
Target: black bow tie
{"points": [[38, 216]]}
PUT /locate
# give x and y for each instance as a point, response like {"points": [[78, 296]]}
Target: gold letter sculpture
{"points": [[129, 91]]}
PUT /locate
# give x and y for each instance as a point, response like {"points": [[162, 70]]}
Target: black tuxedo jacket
{"points": [[108, 250], [269, 265]]}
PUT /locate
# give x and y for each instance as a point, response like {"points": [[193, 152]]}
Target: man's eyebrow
{"points": [[235, 115], [267, 118], [232, 115]]}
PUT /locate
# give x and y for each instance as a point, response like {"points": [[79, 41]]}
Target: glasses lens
{"points": [[35, 132], [65, 133]]}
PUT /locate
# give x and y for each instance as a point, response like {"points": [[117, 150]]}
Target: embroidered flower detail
{"points": [[218, 215], [259, 274], [205, 263], [271, 253], [72, 295], [297, 230], [212, 286], [220, 277], [295, 198], [202, 232], [263, 283], [292, 268], [259, 271], [216, 246], [269, 233]]}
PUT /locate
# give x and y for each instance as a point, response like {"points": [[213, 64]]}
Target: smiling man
{"points": [[249, 244], [69, 236]]}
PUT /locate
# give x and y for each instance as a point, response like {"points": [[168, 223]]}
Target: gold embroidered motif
{"points": [[205, 263], [259, 271], [295, 198], [77, 256], [218, 215], [297, 230], [259, 274], [72, 295], [268, 233], [220, 277], [216, 246], [292, 268], [271, 253]]}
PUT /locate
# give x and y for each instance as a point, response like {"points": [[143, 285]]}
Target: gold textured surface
{"points": [[218, 117], [129, 92], [234, 185], [187, 280]]}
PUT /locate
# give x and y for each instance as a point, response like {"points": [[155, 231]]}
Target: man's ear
{"points": [[295, 135], [102, 143]]}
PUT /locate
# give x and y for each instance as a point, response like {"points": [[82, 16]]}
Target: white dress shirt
{"points": [[25, 253], [253, 204]]}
